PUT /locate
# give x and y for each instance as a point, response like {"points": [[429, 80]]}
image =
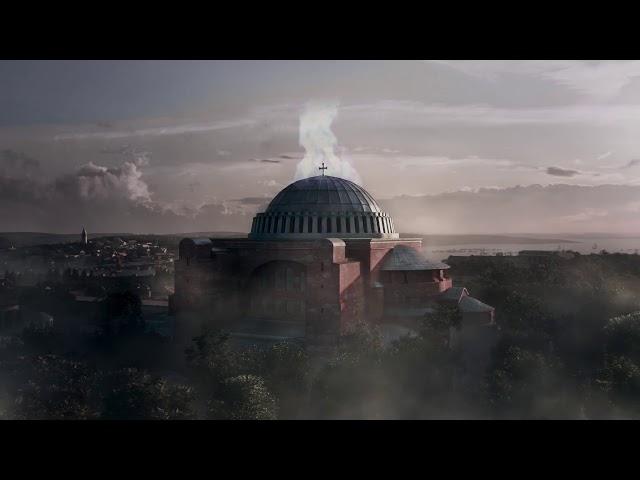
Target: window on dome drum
{"points": [[283, 223], [300, 223], [364, 225], [356, 224], [292, 224], [309, 224], [347, 224], [339, 224], [319, 224], [329, 230], [378, 222], [372, 227]]}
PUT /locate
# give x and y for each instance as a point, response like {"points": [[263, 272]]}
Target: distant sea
{"points": [[436, 249]]}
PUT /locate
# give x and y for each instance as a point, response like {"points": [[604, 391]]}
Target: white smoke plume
{"points": [[320, 144]]}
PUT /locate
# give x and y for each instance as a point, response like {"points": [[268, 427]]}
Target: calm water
{"points": [[584, 246]]}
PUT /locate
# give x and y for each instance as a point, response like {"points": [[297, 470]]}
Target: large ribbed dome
{"points": [[321, 207], [323, 194]]}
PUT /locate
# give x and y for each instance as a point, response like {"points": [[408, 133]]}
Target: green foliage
{"points": [[42, 339], [622, 336], [132, 394], [619, 380], [526, 383], [361, 340], [49, 387], [243, 397], [438, 324], [211, 355], [558, 357], [122, 314], [285, 368]]}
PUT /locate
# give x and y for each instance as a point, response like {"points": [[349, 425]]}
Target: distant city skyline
{"points": [[174, 146]]}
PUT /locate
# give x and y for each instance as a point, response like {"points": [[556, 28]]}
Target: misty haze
{"points": [[264, 240]]}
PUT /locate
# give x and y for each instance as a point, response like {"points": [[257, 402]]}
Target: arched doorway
{"points": [[278, 291]]}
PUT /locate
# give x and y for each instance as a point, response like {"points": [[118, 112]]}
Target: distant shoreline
{"points": [[19, 239], [471, 239]]}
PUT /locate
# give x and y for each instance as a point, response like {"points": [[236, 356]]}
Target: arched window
{"points": [[365, 229], [339, 224], [329, 230], [356, 224], [292, 224], [309, 224], [372, 227], [319, 224], [283, 223], [300, 223], [379, 225], [347, 224], [269, 225]]}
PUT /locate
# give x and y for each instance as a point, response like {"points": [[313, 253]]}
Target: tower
{"points": [[84, 237]]}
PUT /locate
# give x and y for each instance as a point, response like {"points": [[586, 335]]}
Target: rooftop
{"points": [[403, 258]]}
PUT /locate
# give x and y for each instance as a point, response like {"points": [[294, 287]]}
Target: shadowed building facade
{"points": [[322, 256]]}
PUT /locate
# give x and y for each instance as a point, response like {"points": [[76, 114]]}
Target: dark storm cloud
{"points": [[121, 150], [253, 201], [105, 199], [555, 208], [14, 163], [561, 172], [264, 160], [632, 163]]}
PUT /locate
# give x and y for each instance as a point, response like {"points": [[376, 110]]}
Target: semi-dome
{"points": [[320, 207]]}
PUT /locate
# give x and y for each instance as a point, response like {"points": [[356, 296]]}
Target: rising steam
{"points": [[320, 144]]}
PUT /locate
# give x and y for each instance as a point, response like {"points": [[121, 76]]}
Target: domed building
{"points": [[322, 256], [323, 206]]}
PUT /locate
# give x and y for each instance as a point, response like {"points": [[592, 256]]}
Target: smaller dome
{"points": [[405, 258], [324, 193]]}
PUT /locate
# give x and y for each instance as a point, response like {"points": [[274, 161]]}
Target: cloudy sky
{"points": [[447, 146]]}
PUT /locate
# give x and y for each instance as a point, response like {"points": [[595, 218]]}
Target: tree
{"points": [[526, 383], [49, 387], [285, 368], [122, 314], [132, 394], [243, 397], [211, 356], [620, 381], [622, 336], [439, 323]]}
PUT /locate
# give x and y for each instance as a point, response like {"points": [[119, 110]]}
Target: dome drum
{"points": [[305, 225]]}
